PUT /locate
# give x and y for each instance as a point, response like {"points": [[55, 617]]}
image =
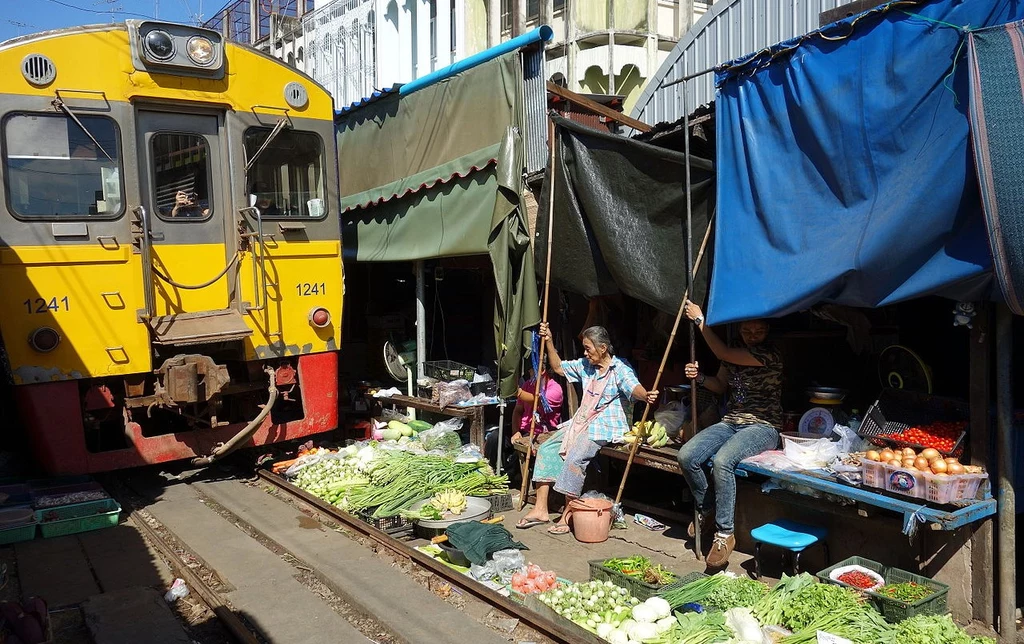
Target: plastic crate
{"points": [[873, 566], [636, 587], [896, 611], [50, 497], [388, 525], [873, 473], [448, 370], [897, 410], [951, 488], [17, 534], [501, 502], [79, 517], [899, 480]]}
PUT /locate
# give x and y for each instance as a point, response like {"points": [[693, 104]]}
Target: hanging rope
{"points": [[196, 287]]}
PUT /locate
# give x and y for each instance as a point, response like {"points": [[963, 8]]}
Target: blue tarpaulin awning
{"points": [[845, 173]]}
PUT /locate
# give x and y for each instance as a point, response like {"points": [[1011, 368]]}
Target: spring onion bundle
{"points": [[695, 591]]}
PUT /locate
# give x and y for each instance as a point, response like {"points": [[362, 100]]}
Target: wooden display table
{"points": [[475, 414]]}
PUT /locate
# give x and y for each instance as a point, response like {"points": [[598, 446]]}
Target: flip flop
{"points": [[559, 530], [526, 524]]}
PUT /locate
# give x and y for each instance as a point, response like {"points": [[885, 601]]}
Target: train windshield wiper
{"points": [[59, 104], [273, 134]]}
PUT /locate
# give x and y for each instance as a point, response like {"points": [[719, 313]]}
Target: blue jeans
{"points": [[728, 444]]}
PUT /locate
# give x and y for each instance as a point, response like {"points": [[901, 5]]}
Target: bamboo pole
{"points": [[690, 261], [544, 314], [664, 359]]}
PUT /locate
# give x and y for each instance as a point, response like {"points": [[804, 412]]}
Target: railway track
{"points": [[197, 524]]}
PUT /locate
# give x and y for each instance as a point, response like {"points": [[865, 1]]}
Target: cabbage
{"points": [[643, 631], [660, 606], [644, 614]]}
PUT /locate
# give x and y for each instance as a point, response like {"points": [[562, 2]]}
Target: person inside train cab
{"points": [[263, 198], [186, 204]]}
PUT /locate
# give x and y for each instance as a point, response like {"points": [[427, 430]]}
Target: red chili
{"points": [[857, 579]]}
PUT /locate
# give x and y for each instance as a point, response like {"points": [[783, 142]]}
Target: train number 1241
{"points": [[42, 305], [305, 288]]}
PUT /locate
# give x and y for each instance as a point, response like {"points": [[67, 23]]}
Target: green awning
{"points": [[438, 173]]}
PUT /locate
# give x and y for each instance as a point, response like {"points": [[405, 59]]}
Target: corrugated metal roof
{"points": [[730, 30], [376, 96]]}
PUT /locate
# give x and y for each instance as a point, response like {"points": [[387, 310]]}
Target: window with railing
{"points": [[433, 35]]}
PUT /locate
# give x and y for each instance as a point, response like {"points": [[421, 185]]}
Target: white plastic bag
{"points": [[177, 591], [813, 454], [672, 416]]}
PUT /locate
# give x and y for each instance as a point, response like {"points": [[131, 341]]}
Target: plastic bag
{"points": [[469, 454], [812, 454], [393, 414], [301, 463], [507, 563], [177, 591], [672, 417], [442, 437], [449, 393], [618, 516]]}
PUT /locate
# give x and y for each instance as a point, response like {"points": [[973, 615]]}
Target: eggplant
{"points": [[29, 629], [37, 606], [11, 612]]}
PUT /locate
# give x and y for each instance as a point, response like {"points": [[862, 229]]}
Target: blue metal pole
{"points": [[540, 34]]}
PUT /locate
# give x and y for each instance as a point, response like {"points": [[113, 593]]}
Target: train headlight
{"points": [[200, 50], [320, 317], [44, 339], [160, 45]]}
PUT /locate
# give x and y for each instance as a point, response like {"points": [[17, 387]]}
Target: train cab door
{"points": [[193, 254]]}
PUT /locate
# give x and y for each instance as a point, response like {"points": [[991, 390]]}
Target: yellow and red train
{"points": [[170, 255]]}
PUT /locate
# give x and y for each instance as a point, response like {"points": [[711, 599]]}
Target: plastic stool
{"points": [[790, 536]]}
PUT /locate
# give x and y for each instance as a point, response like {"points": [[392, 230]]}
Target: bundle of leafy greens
{"points": [[934, 629], [737, 592]]}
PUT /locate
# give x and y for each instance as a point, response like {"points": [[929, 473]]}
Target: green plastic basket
{"points": [[873, 566], [896, 611], [79, 517], [18, 534], [636, 587]]}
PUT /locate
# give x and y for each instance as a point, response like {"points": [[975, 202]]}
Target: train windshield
{"points": [[286, 178], [54, 168]]}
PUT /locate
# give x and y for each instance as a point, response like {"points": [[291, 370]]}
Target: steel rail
{"points": [[549, 628], [195, 583]]}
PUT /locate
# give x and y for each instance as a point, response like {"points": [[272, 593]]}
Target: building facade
{"points": [[354, 47]]}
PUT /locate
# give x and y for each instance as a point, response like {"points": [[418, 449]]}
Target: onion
{"points": [[951, 459], [956, 469], [887, 455], [895, 461], [872, 455], [909, 452], [931, 454], [940, 467], [921, 463]]}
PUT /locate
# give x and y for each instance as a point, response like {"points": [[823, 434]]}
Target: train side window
{"points": [[287, 178], [181, 169], [56, 169]]}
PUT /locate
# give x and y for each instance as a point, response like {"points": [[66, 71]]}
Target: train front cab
{"points": [[169, 245]]}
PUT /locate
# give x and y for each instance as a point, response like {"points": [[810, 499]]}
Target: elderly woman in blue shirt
{"points": [[609, 388]]}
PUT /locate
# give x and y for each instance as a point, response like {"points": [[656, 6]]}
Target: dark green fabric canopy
{"points": [[438, 173]]}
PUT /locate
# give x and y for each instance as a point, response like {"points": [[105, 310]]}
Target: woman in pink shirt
{"points": [[548, 418]]}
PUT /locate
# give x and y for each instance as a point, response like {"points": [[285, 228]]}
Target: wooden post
{"points": [[664, 359], [544, 314]]}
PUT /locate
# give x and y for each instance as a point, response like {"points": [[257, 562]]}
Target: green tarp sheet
{"points": [[438, 173]]}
